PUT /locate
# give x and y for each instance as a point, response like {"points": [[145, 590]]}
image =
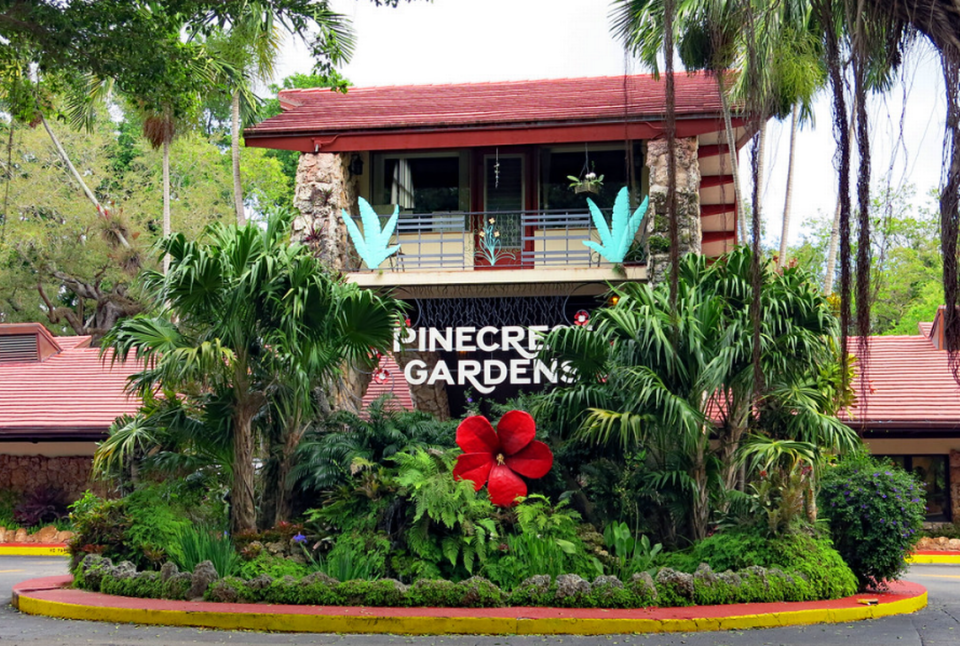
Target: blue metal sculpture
{"points": [[371, 245], [616, 238]]}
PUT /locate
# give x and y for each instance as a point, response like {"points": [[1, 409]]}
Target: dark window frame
{"points": [[946, 515]]}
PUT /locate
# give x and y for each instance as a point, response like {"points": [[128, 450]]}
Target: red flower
{"points": [[498, 456]]}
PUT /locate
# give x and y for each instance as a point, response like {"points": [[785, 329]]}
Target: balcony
{"points": [[534, 246]]}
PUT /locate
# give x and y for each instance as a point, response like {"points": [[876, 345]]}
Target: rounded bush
{"points": [[875, 512]]}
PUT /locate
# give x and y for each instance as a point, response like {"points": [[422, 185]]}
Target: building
{"points": [[910, 412], [490, 182], [58, 398]]}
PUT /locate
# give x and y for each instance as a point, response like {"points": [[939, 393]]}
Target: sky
{"points": [[463, 41]]}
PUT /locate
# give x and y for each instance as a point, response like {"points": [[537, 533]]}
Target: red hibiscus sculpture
{"points": [[498, 456]]}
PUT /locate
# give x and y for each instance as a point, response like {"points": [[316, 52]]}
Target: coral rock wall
{"points": [[26, 473]]}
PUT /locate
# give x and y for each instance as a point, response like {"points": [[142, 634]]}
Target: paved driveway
{"points": [[937, 625]]}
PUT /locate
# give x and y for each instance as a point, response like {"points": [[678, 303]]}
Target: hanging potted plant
{"points": [[589, 183]]}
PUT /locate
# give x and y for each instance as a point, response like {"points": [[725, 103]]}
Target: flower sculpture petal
{"points": [[497, 457]]}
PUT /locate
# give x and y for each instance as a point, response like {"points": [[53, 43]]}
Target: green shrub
{"points": [[674, 588], [101, 527], [197, 544], [275, 567], [610, 592], [946, 530], [826, 575], [141, 528], [477, 592], [230, 589], [434, 593], [355, 557], [385, 593], [176, 587], [156, 522], [8, 502], [711, 588], [535, 591], [285, 590], [145, 585], [874, 512]]}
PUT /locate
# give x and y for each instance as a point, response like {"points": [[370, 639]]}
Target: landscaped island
{"points": [[664, 473]]}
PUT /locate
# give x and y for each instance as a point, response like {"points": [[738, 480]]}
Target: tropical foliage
{"points": [[252, 325], [677, 385]]}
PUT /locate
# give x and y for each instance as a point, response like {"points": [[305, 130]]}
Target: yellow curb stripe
{"points": [[33, 550], [458, 625], [934, 558]]}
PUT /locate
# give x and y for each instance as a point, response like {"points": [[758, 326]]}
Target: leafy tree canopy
{"points": [[140, 44], [60, 261]]}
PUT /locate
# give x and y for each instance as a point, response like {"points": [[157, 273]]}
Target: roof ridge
{"points": [[407, 86]]}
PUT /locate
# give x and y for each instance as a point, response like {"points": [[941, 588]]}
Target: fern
{"points": [[452, 523]]}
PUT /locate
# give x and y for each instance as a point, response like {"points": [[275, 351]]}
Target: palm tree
{"points": [[247, 40], [245, 308], [681, 381], [778, 56], [788, 198]]}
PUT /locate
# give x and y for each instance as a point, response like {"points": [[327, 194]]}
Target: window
{"points": [[933, 471], [420, 183], [558, 164]]}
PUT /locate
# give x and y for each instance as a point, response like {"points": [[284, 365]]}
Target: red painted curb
{"points": [[52, 589]]}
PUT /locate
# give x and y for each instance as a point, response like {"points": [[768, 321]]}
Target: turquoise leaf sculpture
{"points": [[615, 240], [372, 244]]}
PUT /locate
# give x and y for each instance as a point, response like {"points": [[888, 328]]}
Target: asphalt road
{"points": [[937, 625]]}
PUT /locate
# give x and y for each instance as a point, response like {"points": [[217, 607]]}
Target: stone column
{"points": [[429, 398], [324, 186], [953, 477], [688, 203]]}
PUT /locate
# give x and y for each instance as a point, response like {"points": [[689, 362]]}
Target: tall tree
{"points": [[681, 382], [246, 310], [248, 43], [61, 262], [788, 197]]}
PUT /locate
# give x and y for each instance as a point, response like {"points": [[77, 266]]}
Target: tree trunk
{"points": [[761, 158], [166, 199], [834, 239], [950, 204], [242, 507], [701, 498], [832, 252], [235, 153], [732, 151], [785, 229], [284, 467], [101, 211]]}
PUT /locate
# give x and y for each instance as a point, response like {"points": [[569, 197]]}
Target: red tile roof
{"points": [[71, 394], [909, 385], [473, 104]]}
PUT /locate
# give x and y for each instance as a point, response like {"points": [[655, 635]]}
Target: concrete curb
{"points": [[51, 598], [934, 557], [34, 549]]}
